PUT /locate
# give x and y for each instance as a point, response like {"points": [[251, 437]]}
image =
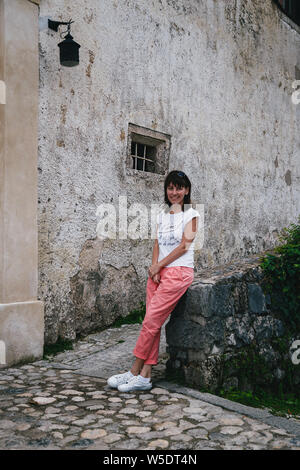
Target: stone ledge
{"points": [[221, 272], [223, 317]]}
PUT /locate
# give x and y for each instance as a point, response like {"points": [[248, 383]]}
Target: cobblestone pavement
{"points": [[65, 403]]}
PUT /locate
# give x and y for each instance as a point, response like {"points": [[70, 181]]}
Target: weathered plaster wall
{"points": [[215, 75]]}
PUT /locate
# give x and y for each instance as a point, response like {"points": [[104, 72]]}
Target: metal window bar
{"points": [[136, 157]]}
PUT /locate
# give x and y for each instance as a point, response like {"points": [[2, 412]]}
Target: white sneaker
{"points": [[119, 379], [135, 383]]}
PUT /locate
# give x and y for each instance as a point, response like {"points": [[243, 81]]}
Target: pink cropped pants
{"points": [[161, 299]]}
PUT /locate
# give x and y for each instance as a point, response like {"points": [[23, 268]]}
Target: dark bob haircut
{"points": [[180, 180]]}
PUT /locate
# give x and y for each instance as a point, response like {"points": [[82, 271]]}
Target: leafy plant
{"points": [[280, 405], [135, 316], [60, 346], [282, 277]]}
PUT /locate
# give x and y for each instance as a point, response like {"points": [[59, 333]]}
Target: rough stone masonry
{"points": [[223, 316]]}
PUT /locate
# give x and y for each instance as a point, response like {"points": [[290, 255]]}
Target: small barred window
{"points": [[147, 150], [143, 157]]}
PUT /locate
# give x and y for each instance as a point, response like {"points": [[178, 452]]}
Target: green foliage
{"points": [[256, 385], [282, 346], [135, 316], [253, 370], [249, 367], [282, 277], [278, 404], [60, 346]]}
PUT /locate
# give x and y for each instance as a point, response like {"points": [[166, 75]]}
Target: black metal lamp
{"points": [[69, 49]]}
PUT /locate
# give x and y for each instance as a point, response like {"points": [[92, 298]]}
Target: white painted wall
{"points": [[215, 75]]}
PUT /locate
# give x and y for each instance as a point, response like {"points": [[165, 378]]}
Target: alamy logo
{"points": [[296, 354], [134, 221], [2, 353]]}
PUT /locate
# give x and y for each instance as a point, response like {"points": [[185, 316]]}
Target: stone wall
{"points": [[217, 78], [224, 334]]}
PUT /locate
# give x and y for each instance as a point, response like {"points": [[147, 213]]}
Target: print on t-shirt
{"points": [[169, 236]]}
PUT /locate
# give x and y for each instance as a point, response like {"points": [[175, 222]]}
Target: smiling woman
{"points": [[170, 275]]}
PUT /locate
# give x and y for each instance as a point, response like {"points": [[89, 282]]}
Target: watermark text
{"points": [[139, 222]]}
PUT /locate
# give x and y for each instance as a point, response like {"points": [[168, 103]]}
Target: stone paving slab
{"points": [[107, 353], [62, 404], [290, 425]]}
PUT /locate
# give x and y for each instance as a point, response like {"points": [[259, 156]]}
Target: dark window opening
{"points": [[291, 8], [143, 157], [147, 151]]}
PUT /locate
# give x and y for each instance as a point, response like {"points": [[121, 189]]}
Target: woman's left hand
{"points": [[154, 269]]}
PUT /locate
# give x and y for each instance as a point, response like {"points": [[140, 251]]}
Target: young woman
{"points": [[170, 275]]}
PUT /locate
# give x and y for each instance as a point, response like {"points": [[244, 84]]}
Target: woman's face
{"points": [[176, 194]]}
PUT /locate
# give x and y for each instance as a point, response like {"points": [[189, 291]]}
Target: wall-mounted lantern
{"points": [[69, 49]]}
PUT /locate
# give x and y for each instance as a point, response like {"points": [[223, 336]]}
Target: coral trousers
{"points": [[161, 299]]}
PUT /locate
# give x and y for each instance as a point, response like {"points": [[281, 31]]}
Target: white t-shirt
{"points": [[170, 229]]}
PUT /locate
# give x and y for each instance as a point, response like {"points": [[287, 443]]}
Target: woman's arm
{"points": [[155, 252], [188, 236]]}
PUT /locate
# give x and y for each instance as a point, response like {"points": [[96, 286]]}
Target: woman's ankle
{"points": [[146, 372], [146, 376], [137, 366]]}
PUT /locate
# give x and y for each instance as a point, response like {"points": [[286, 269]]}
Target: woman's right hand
{"points": [[156, 278]]}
